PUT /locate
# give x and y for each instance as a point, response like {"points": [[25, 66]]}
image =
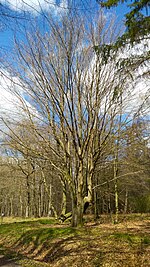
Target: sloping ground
{"points": [[46, 243]]}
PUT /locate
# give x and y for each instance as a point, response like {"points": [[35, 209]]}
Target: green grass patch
{"points": [[40, 236], [8, 220], [124, 237], [131, 238], [12, 230], [47, 221], [146, 240], [24, 233]]}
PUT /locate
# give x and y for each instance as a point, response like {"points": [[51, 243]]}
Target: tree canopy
{"points": [[137, 21]]}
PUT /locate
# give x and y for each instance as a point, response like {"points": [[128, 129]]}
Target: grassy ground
{"points": [[46, 243]]}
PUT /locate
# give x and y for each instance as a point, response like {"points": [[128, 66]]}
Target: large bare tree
{"points": [[75, 96]]}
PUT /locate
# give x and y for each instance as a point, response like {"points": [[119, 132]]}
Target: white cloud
{"points": [[137, 93], [8, 102], [137, 97], [13, 106], [14, 109], [36, 5]]}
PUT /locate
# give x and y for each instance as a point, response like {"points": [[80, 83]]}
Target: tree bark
{"points": [[64, 198], [126, 201]]}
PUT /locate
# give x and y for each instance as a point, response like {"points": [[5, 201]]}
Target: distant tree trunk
{"points": [[34, 201], [39, 199], [116, 188], [109, 202], [11, 206], [28, 197], [116, 160], [116, 201], [48, 190], [96, 213], [21, 205], [126, 201], [64, 198]]}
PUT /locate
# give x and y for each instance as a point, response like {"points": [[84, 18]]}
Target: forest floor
{"points": [[45, 242]]}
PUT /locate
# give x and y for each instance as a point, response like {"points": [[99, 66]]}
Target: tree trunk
{"points": [[11, 206], [126, 202], [35, 210], [116, 201], [96, 213], [28, 197], [74, 222], [116, 192], [64, 198], [78, 200], [48, 189], [109, 202]]}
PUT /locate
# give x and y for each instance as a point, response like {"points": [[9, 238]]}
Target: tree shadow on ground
{"points": [[52, 245], [66, 247], [34, 242]]}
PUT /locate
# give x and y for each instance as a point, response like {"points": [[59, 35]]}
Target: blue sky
{"points": [[6, 35], [6, 41]]}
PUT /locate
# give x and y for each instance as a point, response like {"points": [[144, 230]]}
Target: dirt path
{"points": [[5, 262]]}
